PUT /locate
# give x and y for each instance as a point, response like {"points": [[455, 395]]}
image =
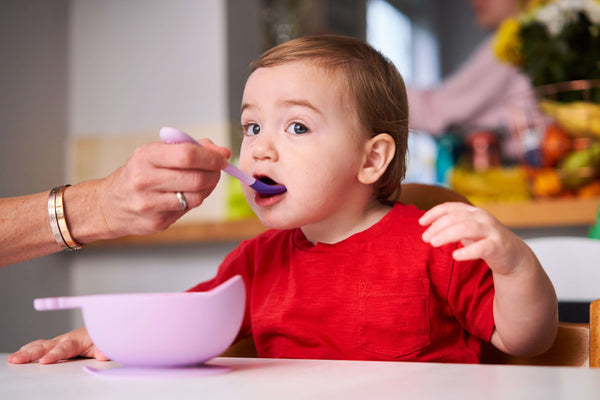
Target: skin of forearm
{"points": [[25, 231], [525, 310]]}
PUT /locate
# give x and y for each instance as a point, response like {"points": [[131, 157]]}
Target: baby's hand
{"points": [[76, 343], [482, 236]]}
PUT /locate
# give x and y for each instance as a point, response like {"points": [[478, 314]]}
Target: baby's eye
{"points": [[251, 129], [297, 128]]}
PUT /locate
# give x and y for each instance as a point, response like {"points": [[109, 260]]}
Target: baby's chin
{"points": [[273, 222], [278, 225]]}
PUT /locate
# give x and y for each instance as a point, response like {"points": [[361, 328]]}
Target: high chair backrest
{"points": [[576, 345], [425, 196], [572, 265], [595, 334]]}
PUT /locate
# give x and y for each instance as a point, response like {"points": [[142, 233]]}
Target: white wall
{"points": [[140, 64], [33, 115]]}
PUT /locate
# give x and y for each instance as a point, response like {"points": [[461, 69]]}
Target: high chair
{"points": [[575, 344]]}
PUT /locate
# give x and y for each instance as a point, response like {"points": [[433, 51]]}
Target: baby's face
{"points": [[301, 131]]}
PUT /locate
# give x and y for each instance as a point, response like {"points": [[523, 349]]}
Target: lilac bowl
{"points": [[160, 329]]}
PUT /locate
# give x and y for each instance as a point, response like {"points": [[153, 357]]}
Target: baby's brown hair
{"points": [[375, 85]]}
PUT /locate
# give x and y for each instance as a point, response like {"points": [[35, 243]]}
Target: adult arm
{"points": [[482, 93], [136, 199]]}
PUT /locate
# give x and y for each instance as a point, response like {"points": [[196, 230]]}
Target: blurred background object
{"points": [[557, 45]]}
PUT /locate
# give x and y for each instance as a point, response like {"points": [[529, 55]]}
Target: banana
{"points": [[578, 118], [495, 184]]}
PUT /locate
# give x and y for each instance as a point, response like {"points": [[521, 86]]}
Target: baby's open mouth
{"points": [[267, 180], [269, 187]]}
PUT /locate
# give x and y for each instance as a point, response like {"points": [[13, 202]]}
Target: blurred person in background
{"points": [[484, 91]]}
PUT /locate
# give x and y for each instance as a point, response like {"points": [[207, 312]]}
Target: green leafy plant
{"points": [[553, 43]]}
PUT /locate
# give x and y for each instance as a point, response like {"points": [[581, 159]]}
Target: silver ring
{"points": [[182, 201]]}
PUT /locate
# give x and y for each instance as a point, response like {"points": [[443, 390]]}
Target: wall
{"points": [[451, 22], [33, 118], [457, 31], [146, 63]]}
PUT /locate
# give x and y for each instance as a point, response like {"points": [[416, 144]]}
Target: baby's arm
{"points": [[525, 305], [76, 343]]}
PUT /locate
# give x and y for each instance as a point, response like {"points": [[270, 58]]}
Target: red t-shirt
{"points": [[381, 294]]}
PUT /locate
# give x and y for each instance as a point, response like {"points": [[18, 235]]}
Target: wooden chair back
{"points": [[576, 345], [595, 334], [425, 197]]}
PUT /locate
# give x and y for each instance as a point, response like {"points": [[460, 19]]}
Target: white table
{"points": [[305, 379]]}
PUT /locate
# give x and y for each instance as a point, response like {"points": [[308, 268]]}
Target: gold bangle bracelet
{"points": [[62, 222], [53, 222]]}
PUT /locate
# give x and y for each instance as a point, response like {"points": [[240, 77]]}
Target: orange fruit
{"points": [[556, 143], [546, 183]]}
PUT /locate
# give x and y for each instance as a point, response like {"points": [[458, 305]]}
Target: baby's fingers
{"points": [[444, 209], [473, 251], [444, 232]]}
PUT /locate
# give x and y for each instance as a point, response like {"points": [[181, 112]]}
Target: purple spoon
{"points": [[172, 135]]}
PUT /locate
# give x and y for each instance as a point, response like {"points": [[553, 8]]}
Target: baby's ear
{"points": [[379, 152]]}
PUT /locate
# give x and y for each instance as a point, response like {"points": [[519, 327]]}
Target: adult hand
{"points": [[140, 197], [76, 343]]}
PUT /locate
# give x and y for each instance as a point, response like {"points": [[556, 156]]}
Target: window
{"points": [[390, 32], [413, 49], [409, 45]]}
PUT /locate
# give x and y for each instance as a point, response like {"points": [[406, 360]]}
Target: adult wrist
{"points": [[58, 221]]}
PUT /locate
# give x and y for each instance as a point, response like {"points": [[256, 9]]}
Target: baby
{"points": [[346, 272]]}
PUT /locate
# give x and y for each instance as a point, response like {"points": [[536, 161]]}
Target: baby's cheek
{"points": [[248, 194]]}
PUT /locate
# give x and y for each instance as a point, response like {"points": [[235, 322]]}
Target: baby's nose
{"points": [[264, 148]]}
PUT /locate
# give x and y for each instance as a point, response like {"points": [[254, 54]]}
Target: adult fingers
{"points": [[72, 344], [63, 350], [207, 143], [179, 180], [184, 156], [98, 355], [31, 352], [161, 167]]}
